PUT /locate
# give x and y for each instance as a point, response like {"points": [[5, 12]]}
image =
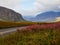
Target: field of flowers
{"points": [[36, 34]]}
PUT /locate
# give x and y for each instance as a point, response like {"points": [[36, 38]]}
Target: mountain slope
{"points": [[57, 19], [9, 15], [47, 16]]}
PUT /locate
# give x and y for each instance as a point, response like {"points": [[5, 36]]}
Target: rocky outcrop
{"points": [[10, 15]]}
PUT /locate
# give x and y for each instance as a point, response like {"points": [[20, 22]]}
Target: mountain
{"points": [[28, 18], [47, 16], [9, 15], [44, 17], [57, 19]]}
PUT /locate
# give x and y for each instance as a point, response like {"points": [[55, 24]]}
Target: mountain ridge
{"points": [[48, 16], [10, 15]]}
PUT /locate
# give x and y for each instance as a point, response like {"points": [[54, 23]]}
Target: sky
{"points": [[31, 7]]}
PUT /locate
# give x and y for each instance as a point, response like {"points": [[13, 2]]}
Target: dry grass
{"points": [[31, 36]]}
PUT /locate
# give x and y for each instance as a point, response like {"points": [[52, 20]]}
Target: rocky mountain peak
{"points": [[9, 15]]}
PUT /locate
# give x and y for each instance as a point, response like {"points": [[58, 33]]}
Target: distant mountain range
{"points": [[45, 17], [9, 15], [28, 18]]}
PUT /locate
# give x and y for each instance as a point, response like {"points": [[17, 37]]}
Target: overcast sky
{"points": [[31, 7]]}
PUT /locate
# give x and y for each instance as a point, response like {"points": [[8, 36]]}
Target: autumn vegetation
{"points": [[35, 34], [4, 24]]}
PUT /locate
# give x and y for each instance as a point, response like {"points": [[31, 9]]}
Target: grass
{"points": [[48, 36], [6, 24], [13, 24]]}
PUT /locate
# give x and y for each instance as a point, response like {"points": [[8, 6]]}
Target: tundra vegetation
{"points": [[34, 34]]}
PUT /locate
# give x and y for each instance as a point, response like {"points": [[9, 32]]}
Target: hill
{"points": [[9, 15], [47, 16], [44, 17]]}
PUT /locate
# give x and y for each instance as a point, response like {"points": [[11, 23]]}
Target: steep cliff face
{"points": [[9, 15]]}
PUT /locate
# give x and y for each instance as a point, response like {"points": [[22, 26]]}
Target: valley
{"points": [[43, 29]]}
